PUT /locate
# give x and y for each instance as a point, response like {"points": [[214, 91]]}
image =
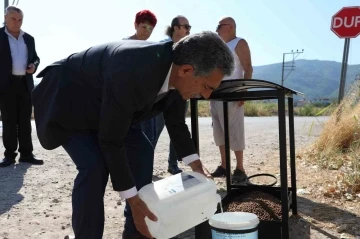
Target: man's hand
{"points": [[139, 212], [197, 166], [240, 103], [30, 69]]}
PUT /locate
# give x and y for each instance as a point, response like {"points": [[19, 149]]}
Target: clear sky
{"points": [[271, 27]]}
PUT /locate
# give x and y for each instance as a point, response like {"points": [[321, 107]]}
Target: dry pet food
{"points": [[265, 206]]}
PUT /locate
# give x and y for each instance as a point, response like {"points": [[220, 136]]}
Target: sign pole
{"points": [[345, 24], [344, 69]]}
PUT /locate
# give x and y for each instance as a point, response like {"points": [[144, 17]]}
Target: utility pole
{"points": [[290, 66], [6, 4]]}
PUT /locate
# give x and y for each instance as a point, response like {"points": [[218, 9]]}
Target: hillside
{"points": [[314, 78]]}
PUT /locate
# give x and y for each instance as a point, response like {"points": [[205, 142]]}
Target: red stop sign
{"points": [[346, 22]]}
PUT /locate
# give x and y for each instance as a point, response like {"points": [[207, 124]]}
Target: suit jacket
{"points": [[106, 89], [6, 60]]}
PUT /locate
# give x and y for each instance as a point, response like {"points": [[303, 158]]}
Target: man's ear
{"points": [[186, 70]]}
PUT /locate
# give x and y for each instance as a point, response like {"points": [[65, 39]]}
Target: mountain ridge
{"points": [[314, 78]]}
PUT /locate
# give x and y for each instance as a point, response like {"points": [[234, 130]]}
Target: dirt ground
{"points": [[35, 200]]}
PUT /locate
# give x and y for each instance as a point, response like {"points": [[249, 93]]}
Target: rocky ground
{"points": [[35, 200]]}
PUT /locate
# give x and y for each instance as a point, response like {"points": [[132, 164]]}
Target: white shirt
{"points": [[19, 53], [238, 72], [187, 160]]}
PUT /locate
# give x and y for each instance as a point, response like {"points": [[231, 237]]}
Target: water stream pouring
{"points": [[180, 202]]}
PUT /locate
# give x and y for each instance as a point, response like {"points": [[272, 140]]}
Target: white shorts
{"points": [[236, 124]]}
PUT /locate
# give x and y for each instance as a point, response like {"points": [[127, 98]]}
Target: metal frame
{"points": [[234, 91]]}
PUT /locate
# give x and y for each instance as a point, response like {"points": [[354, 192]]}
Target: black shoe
{"points": [[239, 176], [7, 161], [31, 159], [133, 235], [174, 170], [136, 235], [219, 172]]}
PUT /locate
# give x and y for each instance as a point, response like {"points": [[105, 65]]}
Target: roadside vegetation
{"points": [[260, 108], [338, 147]]}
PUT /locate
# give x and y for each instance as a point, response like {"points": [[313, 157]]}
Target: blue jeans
{"points": [[92, 177]]}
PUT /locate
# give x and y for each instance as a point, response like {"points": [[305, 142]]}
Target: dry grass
{"points": [[338, 146], [261, 108], [314, 110]]}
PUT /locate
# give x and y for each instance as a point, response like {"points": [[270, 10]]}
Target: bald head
{"points": [[228, 20], [226, 28]]}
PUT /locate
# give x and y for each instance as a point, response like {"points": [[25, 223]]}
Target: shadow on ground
{"points": [[312, 214], [11, 181], [307, 225]]}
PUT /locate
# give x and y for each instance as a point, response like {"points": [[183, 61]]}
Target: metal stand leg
{"points": [[227, 147], [195, 124], [202, 231], [283, 166], [292, 156]]}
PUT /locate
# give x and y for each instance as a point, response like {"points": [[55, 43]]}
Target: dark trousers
{"points": [[153, 127], [90, 183], [16, 108], [172, 160]]}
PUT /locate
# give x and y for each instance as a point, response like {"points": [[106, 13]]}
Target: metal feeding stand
{"points": [[245, 90]]}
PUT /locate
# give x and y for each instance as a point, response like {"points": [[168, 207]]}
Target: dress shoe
{"points": [[133, 235], [136, 235], [31, 159], [7, 161], [174, 169]]}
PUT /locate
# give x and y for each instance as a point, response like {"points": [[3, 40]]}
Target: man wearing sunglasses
{"points": [[178, 29], [243, 70]]}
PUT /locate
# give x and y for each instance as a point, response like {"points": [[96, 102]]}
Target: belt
{"points": [[18, 77]]}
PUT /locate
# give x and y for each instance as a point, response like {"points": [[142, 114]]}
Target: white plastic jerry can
{"points": [[180, 202]]}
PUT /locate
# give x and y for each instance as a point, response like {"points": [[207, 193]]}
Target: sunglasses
{"points": [[220, 25], [186, 26]]}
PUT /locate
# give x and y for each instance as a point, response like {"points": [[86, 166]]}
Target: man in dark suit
{"points": [[18, 62], [91, 103]]}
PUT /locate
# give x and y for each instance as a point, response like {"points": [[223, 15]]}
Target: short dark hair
{"points": [[205, 52], [175, 22], [146, 16], [13, 9]]}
